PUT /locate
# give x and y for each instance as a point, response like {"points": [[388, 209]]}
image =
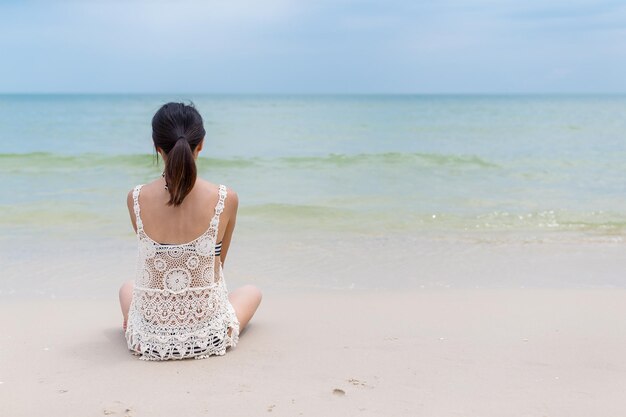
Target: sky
{"points": [[316, 47]]}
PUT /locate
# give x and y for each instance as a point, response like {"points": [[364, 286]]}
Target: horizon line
{"points": [[59, 93]]}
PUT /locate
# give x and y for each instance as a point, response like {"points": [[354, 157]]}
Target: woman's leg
{"points": [[126, 296], [245, 301]]}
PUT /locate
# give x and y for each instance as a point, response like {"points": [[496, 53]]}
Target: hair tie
{"points": [[180, 137]]}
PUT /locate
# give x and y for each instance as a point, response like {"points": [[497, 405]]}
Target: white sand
{"points": [[430, 353]]}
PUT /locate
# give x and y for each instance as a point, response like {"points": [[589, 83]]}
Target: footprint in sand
{"points": [[356, 382], [339, 392], [118, 409]]}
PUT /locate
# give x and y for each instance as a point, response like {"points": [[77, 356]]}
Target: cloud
{"points": [[322, 46]]}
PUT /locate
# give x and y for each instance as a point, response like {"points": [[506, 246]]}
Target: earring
{"points": [[163, 175]]}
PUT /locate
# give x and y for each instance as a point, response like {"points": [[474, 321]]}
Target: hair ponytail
{"points": [[177, 129], [180, 172]]}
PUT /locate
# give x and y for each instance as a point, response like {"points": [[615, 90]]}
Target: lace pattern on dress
{"points": [[180, 307]]}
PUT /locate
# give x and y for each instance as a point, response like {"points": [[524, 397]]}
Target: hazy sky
{"points": [[291, 46]]}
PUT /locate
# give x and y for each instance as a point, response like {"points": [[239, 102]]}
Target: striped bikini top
{"points": [[218, 247]]}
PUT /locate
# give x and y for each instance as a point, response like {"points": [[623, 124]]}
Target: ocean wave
{"points": [[296, 211], [15, 162], [47, 160], [326, 217], [305, 217], [394, 158]]}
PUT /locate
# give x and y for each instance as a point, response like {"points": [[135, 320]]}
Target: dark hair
{"points": [[177, 129]]}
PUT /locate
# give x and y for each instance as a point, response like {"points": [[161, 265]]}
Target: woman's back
{"points": [[180, 304], [181, 224]]}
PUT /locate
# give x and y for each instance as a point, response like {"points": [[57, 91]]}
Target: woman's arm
{"points": [[231, 206], [131, 209]]}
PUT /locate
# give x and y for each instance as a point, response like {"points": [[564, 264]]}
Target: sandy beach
{"points": [[481, 326], [515, 352]]}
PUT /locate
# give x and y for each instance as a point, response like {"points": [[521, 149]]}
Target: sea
{"points": [[318, 177]]}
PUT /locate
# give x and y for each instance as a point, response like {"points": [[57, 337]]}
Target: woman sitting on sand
{"points": [[178, 306]]}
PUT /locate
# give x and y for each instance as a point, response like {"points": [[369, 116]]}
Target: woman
{"points": [[178, 306]]}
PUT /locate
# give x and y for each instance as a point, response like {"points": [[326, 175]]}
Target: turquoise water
{"points": [[353, 164]]}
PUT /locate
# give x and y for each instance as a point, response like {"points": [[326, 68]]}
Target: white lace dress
{"points": [[180, 306]]}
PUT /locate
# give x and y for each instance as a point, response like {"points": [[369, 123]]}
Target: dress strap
{"points": [[219, 207], [136, 207]]}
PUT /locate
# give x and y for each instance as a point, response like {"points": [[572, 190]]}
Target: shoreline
{"points": [[78, 266]]}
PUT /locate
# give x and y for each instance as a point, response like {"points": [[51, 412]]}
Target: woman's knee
{"points": [[126, 290], [253, 292], [247, 295], [127, 286]]}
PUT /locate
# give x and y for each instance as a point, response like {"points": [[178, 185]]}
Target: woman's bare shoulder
{"points": [[232, 199], [207, 187], [212, 187], [147, 191]]}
